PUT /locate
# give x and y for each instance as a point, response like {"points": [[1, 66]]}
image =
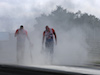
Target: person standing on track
{"points": [[48, 36], [21, 35]]}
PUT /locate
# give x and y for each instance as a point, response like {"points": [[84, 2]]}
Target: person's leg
{"points": [[20, 53], [51, 51], [17, 52], [47, 53]]}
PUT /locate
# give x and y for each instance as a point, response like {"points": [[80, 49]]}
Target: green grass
{"points": [[96, 62]]}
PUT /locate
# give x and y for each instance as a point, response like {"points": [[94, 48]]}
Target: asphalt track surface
{"points": [[47, 70]]}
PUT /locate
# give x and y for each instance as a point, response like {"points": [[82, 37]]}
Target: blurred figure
{"points": [[21, 35], [49, 42]]}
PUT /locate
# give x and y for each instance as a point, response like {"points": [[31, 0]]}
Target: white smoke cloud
{"points": [[71, 48]]}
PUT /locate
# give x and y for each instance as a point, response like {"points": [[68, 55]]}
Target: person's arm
{"points": [[28, 38], [31, 44], [43, 37], [16, 32], [43, 41], [55, 35]]}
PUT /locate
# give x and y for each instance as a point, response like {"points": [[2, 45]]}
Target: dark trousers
{"points": [[49, 48]]}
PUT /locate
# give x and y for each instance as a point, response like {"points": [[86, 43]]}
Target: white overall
{"points": [[21, 37]]}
